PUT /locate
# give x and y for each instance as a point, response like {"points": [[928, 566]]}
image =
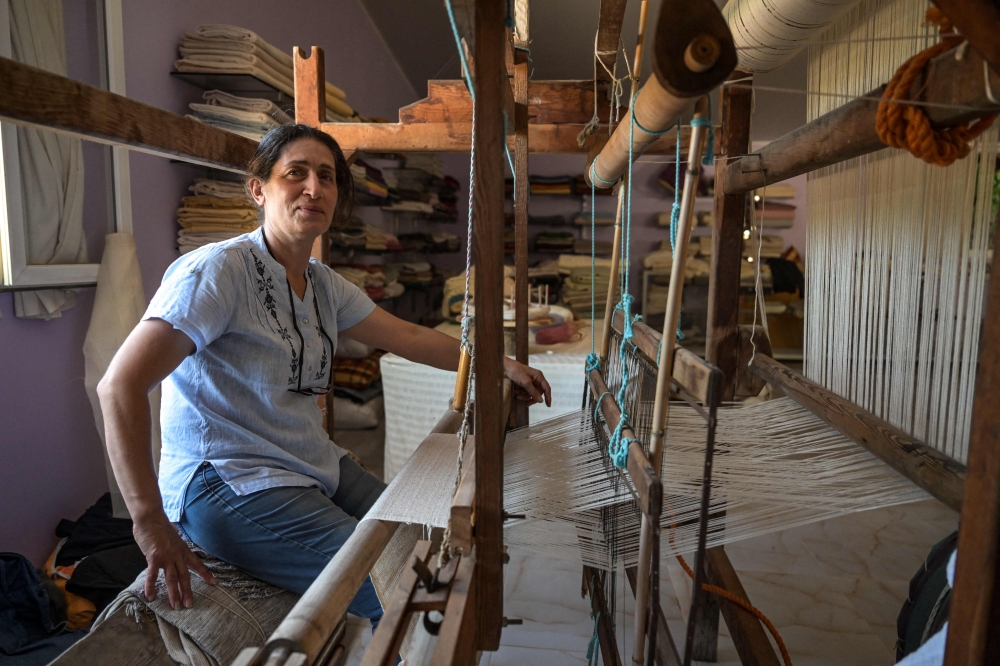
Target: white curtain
{"points": [[118, 306], [51, 165]]}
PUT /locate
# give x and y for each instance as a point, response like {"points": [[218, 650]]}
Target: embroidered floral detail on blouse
{"points": [[265, 286]]}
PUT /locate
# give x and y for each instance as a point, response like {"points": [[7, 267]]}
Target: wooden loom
{"points": [[473, 614]]}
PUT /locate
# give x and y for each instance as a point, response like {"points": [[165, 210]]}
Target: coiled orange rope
{"points": [[906, 126]]}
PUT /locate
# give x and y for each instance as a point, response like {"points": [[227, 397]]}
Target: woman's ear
{"points": [[256, 187]]}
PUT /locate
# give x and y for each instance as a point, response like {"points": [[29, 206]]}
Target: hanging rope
{"points": [[907, 126], [467, 321]]}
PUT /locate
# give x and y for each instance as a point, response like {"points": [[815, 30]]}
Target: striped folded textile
{"points": [[357, 373]]}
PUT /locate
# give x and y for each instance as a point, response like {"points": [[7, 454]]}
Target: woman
{"points": [[242, 334]]}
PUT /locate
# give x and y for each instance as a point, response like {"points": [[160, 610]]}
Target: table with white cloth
{"points": [[416, 395]]}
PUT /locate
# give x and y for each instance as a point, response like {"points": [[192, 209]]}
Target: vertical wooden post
{"points": [[489, 203], [973, 635], [723, 341], [310, 109], [521, 194]]}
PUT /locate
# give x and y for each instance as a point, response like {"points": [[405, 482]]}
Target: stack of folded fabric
{"points": [[248, 117], [769, 247], [420, 187], [774, 214], [218, 211], [663, 260], [748, 274], [599, 248], [554, 241], [428, 162], [600, 219], [438, 241], [576, 288], [415, 275], [357, 401], [370, 188], [350, 237], [454, 292], [227, 49], [378, 240], [369, 278], [393, 287]]}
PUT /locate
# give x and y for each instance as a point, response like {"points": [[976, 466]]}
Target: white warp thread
{"points": [[769, 33], [897, 250]]}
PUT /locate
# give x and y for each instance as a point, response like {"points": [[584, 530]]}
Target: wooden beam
{"points": [[934, 471], [609, 32], [457, 639], [457, 137], [610, 656], [722, 344], [953, 89], [463, 507], [979, 22], [315, 616], [975, 605], [747, 633], [549, 102], [693, 374], [310, 87], [490, 422], [385, 643], [753, 341], [666, 650], [647, 484], [521, 191], [35, 98]]}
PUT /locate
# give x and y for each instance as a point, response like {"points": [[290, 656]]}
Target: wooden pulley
{"points": [[693, 51]]}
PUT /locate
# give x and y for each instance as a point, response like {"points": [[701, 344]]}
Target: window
{"points": [[95, 55]]}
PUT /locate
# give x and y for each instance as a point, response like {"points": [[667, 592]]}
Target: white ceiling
{"points": [[562, 45]]}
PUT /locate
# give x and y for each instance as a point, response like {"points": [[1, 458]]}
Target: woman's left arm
{"points": [[425, 345]]}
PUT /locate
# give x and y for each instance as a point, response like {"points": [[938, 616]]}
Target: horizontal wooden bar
{"points": [[549, 102], [463, 510], [937, 473], [449, 423], [749, 636], [457, 137], [695, 375], [954, 91], [36, 98], [647, 484]]}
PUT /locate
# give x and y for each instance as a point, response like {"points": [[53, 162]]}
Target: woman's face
{"points": [[300, 196]]}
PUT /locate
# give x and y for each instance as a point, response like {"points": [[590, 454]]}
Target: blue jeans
{"points": [[284, 536]]}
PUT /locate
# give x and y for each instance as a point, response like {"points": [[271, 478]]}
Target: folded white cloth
{"points": [[223, 189], [229, 101]]}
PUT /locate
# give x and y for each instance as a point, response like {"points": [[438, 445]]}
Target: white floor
{"points": [[832, 589]]}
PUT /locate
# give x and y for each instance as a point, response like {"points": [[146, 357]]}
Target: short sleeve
{"points": [[350, 302], [196, 296]]}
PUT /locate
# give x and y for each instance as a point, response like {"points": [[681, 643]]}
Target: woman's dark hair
{"points": [[273, 145]]}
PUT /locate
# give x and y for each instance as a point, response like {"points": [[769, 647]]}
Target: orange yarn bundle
{"points": [[902, 125]]}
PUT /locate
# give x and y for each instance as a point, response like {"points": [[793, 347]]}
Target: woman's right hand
{"points": [[164, 549]]}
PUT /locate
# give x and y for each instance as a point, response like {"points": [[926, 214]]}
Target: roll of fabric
{"points": [[118, 306]]}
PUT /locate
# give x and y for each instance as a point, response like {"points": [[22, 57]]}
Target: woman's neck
{"points": [[291, 253]]}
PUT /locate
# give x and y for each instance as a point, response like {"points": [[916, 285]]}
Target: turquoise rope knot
{"points": [[593, 362], [467, 323]]}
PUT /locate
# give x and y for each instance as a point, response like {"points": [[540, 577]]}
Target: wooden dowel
{"points": [[661, 404], [462, 381], [610, 655], [316, 614], [609, 306], [957, 86], [666, 650], [521, 191], [33, 97], [934, 471]]}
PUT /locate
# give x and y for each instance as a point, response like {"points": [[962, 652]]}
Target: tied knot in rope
{"points": [[593, 362], [467, 323], [907, 126]]}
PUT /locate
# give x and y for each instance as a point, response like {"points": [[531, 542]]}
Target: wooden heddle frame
{"points": [[547, 118]]}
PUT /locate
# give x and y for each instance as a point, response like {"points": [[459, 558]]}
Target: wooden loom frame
{"points": [[39, 99]]}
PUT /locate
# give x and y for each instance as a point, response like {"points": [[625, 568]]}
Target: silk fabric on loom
{"points": [[896, 248]]}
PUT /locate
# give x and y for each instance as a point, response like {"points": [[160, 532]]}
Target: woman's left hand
{"points": [[529, 383]]}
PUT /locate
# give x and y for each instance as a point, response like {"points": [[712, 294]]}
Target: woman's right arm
{"points": [[150, 353]]}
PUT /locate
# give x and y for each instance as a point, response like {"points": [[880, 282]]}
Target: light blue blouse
{"points": [[230, 402]]}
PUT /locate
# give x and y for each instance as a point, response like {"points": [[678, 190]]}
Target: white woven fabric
{"points": [[416, 396]]}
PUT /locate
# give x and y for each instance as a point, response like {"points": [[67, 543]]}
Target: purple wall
{"points": [[52, 463]]}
